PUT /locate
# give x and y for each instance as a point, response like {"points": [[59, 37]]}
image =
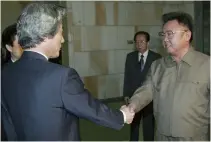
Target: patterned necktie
{"points": [[142, 62]]}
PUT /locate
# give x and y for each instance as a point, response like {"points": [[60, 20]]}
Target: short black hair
{"points": [[182, 18], [8, 35], [146, 34]]}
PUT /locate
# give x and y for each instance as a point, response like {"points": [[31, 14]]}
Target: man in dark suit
{"points": [[136, 68], [48, 99], [12, 51]]}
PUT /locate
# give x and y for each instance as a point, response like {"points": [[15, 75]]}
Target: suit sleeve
{"points": [[7, 125], [144, 94], [126, 79], [77, 100]]}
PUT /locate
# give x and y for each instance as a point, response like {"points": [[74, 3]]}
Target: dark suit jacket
{"points": [[133, 77], [6, 63], [7, 133], [45, 100], [7, 128]]}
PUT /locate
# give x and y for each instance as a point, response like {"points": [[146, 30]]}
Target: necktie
{"points": [[142, 62]]}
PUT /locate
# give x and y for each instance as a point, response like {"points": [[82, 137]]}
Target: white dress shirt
{"points": [[145, 56]]}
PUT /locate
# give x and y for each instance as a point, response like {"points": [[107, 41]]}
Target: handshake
{"points": [[128, 112]]}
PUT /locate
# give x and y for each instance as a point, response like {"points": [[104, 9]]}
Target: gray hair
{"points": [[37, 22]]}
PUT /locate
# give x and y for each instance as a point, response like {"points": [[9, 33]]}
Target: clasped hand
{"points": [[128, 112]]}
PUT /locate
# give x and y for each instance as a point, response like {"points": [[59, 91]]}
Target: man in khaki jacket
{"points": [[178, 84]]}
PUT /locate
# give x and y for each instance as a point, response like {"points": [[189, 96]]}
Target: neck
{"points": [[142, 52], [179, 55]]}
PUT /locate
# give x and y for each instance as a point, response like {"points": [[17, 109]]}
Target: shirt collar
{"points": [[12, 60], [187, 58], [39, 53]]}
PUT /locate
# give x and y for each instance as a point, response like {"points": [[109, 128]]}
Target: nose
{"points": [[165, 38]]}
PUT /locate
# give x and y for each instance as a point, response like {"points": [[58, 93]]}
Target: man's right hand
{"points": [[128, 113]]}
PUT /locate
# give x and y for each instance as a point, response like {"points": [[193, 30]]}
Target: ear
{"points": [[9, 48], [188, 35]]}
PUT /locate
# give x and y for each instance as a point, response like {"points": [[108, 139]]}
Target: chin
{"points": [[140, 50], [170, 51], [55, 56]]}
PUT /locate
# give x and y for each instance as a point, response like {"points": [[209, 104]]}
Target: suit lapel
{"points": [[137, 65]]}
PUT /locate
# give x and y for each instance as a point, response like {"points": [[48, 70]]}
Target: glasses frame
{"points": [[169, 34], [142, 42]]}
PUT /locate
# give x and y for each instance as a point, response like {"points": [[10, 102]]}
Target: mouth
{"points": [[139, 47], [167, 45]]}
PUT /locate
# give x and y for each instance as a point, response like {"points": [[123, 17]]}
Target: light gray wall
{"points": [[10, 11]]}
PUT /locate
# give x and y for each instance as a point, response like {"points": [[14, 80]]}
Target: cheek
{"points": [[177, 39], [173, 42], [145, 46], [59, 40], [163, 42]]}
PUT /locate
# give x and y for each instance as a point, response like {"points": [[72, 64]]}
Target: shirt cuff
{"points": [[124, 115]]}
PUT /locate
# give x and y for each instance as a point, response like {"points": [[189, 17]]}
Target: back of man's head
{"points": [[8, 35], [7, 40], [37, 22]]}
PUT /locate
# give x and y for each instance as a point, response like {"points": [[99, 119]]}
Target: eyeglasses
{"points": [[169, 34], [140, 42]]}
